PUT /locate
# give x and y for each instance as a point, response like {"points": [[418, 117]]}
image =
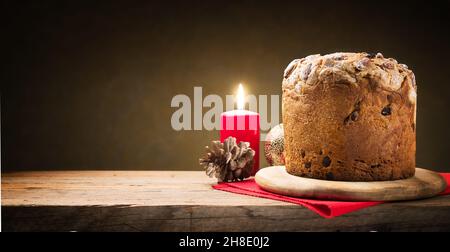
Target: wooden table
{"points": [[182, 201]]}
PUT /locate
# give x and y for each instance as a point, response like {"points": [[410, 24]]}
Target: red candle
{"points": [[243, 125]]}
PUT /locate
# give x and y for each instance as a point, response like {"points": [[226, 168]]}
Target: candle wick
{"points": [[240, 97]]}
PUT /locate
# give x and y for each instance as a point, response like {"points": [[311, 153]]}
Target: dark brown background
{"points": [[88, 86]]}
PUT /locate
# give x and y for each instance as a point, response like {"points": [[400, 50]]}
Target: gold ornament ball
{"points": [[274, 146]]}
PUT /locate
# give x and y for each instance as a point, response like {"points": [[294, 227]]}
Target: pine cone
{"points": [[228, 161]]}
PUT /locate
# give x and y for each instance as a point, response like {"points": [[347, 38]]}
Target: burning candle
{"points": [[243, 125]]}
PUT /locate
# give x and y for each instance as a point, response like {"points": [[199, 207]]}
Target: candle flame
{"points": [[240, 98]]}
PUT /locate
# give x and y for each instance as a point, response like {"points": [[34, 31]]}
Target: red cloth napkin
{"points": [[325, 208]]}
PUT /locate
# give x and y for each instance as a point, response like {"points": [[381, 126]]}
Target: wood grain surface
{"points": [[423, 184], [182, 201]]}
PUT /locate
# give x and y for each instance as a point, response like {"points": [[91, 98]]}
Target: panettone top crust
{"points": [[347, 69]]}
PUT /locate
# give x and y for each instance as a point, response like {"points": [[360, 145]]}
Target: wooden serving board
{"points": [[424, 184]]}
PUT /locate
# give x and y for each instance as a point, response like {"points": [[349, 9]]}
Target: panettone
{"points": [[349, 116]]}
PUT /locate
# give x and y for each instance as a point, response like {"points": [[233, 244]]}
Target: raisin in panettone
{"points": [[349, 116]]}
